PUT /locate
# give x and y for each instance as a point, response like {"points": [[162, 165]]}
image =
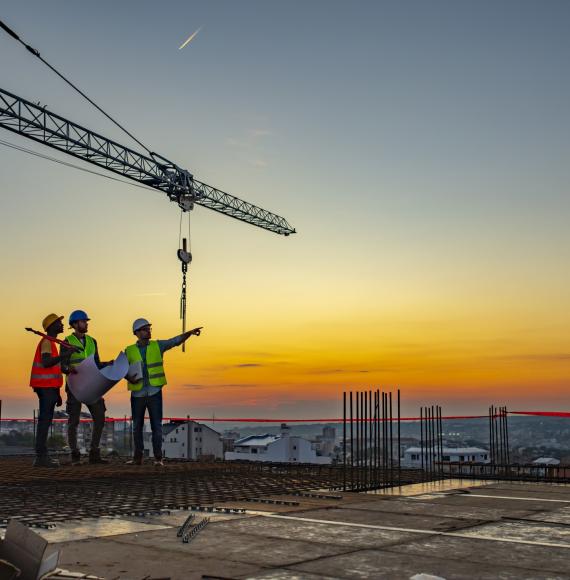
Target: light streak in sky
{"points": [[190, 38]]}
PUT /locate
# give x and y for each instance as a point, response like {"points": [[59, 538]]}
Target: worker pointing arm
{"points": [[146, 390]]}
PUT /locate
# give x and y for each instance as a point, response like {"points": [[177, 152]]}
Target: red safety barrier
{"points": [[329, 420], [541, 413]]}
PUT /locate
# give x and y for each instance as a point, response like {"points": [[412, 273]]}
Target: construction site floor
{"points": [[501, 530]]}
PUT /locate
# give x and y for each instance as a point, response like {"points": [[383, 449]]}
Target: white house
{"points": [[413, 455], [283, 448], [547, 461], [188, 440]]}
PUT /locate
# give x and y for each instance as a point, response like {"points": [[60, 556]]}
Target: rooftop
{"points": [[452, 529], [255, 440]]}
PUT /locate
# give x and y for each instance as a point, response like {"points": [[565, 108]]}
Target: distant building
{"points": [[283, 448], [413, 455], [325, 443], [188, 440], [229, 437]]}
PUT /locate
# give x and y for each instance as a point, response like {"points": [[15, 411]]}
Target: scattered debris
{"points": [[25, 551]]}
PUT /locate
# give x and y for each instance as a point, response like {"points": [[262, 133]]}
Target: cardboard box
{"points": [[26, 550]]}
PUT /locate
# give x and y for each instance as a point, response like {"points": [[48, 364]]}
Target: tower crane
{"points": [[35, 122]]}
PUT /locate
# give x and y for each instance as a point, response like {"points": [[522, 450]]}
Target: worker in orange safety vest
{"points": [[46, 379]]}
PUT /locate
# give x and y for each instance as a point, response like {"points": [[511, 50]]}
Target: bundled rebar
{"points": [[371, 443]]}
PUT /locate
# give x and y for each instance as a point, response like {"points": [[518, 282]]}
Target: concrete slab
{"points": [[284, 574], [475, 552], [430, 487], [128, 561], [430, 508], [281, 543], [96, 528], [493, 502], [403, 520], [532, 532], [383, 564], [561, 516], [315, 532], [215, 542]]}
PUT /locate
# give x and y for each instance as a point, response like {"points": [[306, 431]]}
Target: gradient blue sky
{"points": [[421, 149]]}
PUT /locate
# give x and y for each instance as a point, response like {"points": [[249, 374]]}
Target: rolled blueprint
{"points": [[89, 383]]}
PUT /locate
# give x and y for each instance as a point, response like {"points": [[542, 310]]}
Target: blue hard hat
{"points": [[78, 315]]}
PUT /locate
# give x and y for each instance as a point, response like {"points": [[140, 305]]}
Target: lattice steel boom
{"points": [[35, 122]]}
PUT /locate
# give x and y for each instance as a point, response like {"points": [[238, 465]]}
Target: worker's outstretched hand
{"points": [[196, 331]]}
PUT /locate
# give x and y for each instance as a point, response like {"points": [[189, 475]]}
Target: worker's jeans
{"points": [[48, 397], [138, 407], [73, 408]]}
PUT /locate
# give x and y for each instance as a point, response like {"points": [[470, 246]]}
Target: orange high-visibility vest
{"points": [[42, 377]]}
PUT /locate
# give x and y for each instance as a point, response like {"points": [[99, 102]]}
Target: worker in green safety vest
{"points": [[145, 382], [86, 346]]}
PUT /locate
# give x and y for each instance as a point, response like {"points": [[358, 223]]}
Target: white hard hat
{"points": [[139, 323]]}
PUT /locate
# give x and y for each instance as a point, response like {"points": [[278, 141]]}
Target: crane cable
{"points": [[72, 165], [36, 53]]}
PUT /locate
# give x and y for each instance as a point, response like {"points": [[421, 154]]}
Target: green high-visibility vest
{"points": [[156, 375], [85, 351]]}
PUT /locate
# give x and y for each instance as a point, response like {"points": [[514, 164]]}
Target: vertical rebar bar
{"points": [[507, 436], [357, 456], [344, 440], [351, 444], [370, 442], [366, 428], [491, 454], [391, 442], [422, 436], [385, 435], [375, 438], [440, 439], [399, 444]]}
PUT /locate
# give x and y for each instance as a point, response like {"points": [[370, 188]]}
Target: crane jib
{"points": [[38, 124]]}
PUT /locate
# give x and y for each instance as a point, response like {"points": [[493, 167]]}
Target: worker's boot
{"points": [[158, 462], [136, 460], [45, 461], [75, 457], [95, 457]]}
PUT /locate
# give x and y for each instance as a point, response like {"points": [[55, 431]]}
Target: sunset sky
{"points": [[420, 149]]}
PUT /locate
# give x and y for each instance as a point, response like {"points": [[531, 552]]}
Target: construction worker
{"points": [[46, 379], [87, 346], [146, 392]]}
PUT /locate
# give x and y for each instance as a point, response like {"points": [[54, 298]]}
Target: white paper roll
{"points": [[89, 383]]}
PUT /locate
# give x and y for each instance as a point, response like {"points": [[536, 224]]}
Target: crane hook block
{"points": [[183, 254], [184, 257]]}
